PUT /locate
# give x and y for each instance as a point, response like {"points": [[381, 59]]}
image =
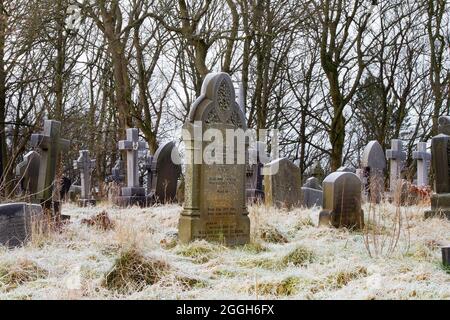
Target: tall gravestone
{"points": [[164, 170], [255, 178], [85, 165], [342, 201], [118, 171], [423, 158], [440, 149], [215, 204], [50, 144], [133, 193], [373, 164], [28, 173], [396, 157], [282, 184]]}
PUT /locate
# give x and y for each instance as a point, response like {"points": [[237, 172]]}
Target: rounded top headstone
{"points": [[373, 156]]}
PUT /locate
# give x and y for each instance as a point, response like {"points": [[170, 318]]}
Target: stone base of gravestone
{"points": [[440, 206], [74, 193], [133, 197], [17, 223], [84, 203], [237, 232], [255, 196], [327, 218], [311, 198]]}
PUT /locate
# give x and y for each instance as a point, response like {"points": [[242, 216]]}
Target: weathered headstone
{"points": [[18, 221], [118, 171], [255, 188], [373, 164], [50, 144], [282, 184], [74, 193], [133, 193], [85, 165], [28, 172], [423, 158], [164, 170], [345, 169], [312, 194], [396, 157], [440, 149], [342, 201], [215, 206]]}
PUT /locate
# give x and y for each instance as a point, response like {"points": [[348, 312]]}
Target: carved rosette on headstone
{"points": [[342, 201], [440, 149], [164, 170], [282, 184], [85, 165], [133, 193], [373, 164], [215, 199]]}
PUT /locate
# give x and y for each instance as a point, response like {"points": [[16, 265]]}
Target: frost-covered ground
{"points": [[289, 258]]}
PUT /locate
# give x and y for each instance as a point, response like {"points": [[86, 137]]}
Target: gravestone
{"points": [[282, 184], [344, 169], [258, 158], [85, 165], [312, 194], [373, 165], [28, 172], [163, 174], [342, 201], [423, 158], [50, 144], [18, 221], [396, 157], [440, 149], [118, 171], [133, 193], [215, 204], [74, 193]]}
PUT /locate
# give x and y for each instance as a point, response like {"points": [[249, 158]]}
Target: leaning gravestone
{"points": [[373, 164], [282, 184], [164, 170], [133, 193], [18, 221], [85, 165], [28, 172], [50, 145], [312, 194], [396, 157], [258, 157], [440, 149], [423, 158], [342, 201], [215, 204]]}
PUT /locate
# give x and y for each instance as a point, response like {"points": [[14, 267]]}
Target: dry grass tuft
{"points": [[200, 252], [17, 274], [254, 248], [299, 257], [101, 221], [284, 288], [343, 278], [272, 235], [133, 272]]}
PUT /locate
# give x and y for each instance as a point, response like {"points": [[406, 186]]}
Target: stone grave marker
{"points": [[255, 178], [312, 194], [50, 144], [396, 157], [28, 172], [373, 165], [133, 193], [440, 149], [85, 165], [18, 221], [423, 158], [215, 198], [342, 201], [163, 173], [282, 184]]}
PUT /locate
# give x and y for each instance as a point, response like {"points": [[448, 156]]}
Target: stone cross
{"points": [[132, 145], [85, 165], [50, 144], [423, 158], [396, 156]]}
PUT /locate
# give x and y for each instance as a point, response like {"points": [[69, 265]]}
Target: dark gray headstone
{"points": [[17, 221], [255, 178], [28, 172]]}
